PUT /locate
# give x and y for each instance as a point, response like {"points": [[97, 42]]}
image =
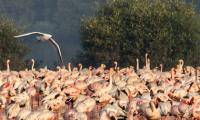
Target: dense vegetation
{"points": [[10, 48], [124, 30], [61, 18]]}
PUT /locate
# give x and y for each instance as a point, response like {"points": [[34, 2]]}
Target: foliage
{"points": [[124, 30], [10, 48], [61, 18]]}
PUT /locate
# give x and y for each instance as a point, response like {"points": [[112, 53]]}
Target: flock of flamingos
{"points": [[100, 93]]}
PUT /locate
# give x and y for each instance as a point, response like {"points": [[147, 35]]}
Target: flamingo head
{"points": [[32, 60], [80, 65], [8, 61]]}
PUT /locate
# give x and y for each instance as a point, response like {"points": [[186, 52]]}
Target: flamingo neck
{"points": [[137, 67], [172, 73], [8, 67], [111, 80], [33, 64], [80, 67], [116, 65], [69, 67], [148, 64], [146, 61], [90, 72], [161, 68]]}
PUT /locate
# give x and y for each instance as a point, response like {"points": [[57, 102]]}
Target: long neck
{"points": [[8, 66], [196, 75], [161, 67], [148, 64], [111, 80], [33, 64], [172, 74], [90, 73], [181, 66], [116, 65], [80, 67], [137, 67], [191, 70], [69, 67], [146, 61]]}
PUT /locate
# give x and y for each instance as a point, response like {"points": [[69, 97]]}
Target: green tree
{"points": [[124, 30], [10, 48]]}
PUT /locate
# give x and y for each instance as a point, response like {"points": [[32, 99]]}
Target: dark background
{"points": [[61, 18]]}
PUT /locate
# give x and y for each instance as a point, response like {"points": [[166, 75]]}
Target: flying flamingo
{"points": [[44, 37]]}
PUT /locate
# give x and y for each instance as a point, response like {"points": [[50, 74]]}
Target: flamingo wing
{"points": [[27, 34], [58, 49]]}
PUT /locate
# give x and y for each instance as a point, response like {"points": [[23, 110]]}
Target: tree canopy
{"points": [[61, 18], [124, 30], [10, 48]]}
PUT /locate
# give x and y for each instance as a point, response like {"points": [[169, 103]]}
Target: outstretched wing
{"points": [[27, 34], [57, 48]]}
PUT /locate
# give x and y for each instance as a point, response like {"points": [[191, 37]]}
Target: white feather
{"points": [[31, 33]]}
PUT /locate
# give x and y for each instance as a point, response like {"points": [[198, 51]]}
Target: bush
{"points": [[10, 48], [124, 30]]}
